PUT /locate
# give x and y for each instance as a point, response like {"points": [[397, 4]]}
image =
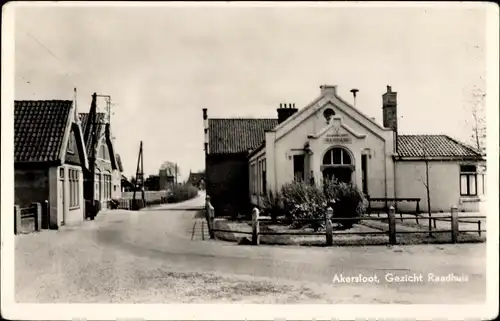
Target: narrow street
{"points": [[151, 256]]}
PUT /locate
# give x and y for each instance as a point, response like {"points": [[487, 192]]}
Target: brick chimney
{"points": [[389, 109], [285, 111]]}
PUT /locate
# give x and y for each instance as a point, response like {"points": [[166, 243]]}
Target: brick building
{"points": [[49, 159], [228, 143]]}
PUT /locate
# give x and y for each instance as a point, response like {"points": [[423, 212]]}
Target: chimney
{"points": [[390, 112], [328, 90], [285, 111]]}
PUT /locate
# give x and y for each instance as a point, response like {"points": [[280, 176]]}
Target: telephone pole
{"points": [[139, 180]]}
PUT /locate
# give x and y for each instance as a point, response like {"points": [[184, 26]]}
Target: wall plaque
{"points": [[338, 139]]}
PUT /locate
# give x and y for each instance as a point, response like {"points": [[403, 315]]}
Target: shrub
{"points": [[273, 205], [181, 193], [304, 201], [346, 201]]}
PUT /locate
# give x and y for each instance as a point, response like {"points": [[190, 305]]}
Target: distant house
{"points": [[197, 180], [126, 185], [166, 179], [106, 183], [227, 176], [49, 159], [330, 138], [152, 183]]}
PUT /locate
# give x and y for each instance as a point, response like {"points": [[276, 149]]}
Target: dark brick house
{"points": [[49, 158], [197, 180], [227, 146]]}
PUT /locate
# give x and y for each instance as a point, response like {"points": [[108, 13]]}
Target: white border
{"points": [[236, 311]]}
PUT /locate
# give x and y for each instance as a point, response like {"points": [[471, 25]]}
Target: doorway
{"points": [[342, 174]]}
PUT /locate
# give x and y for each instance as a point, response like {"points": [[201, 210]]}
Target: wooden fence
{"points": [[391, 233], [28, 219], [128, 204]]}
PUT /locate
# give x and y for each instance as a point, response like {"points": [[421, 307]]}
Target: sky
{"points": [[161, 65]]}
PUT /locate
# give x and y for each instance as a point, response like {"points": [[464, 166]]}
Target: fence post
{"points": [[46, 214], [17, 219], [392, 225], [479, 227], [255, 227], [37, 209], [328, 226], [454, 224]]}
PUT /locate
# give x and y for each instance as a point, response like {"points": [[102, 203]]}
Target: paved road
{"points": [[149, 256]]}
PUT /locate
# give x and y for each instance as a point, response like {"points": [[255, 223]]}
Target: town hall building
{"points": [[330, 138]]}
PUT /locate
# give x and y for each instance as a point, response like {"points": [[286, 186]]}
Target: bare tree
{"points": [[171, 169], [478, 119], [425, 181]]}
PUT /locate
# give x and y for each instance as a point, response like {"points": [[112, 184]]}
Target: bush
{"points": [[181, 193], [346, 201], [302, 201], [273, 205]]}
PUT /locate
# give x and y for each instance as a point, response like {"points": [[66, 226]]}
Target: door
{"points": [[60, 204], [342, 174]]}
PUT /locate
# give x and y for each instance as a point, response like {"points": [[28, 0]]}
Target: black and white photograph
{"points": [[249, 160]]}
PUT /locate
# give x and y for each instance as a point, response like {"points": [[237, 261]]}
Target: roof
{"points": [[236, 135], [196, 177], [436, 146], [87, 129], [39, 129]]}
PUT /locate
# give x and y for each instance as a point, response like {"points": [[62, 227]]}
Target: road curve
{"points": [[104, 261]]}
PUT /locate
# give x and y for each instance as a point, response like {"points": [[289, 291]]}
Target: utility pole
{"points": [[139, 180], [92, 116], [176, 174]]}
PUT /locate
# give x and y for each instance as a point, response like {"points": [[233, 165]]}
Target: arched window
{"points": [[337, 156]]}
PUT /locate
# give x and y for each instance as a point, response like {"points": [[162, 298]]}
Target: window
{"points": [[264, 182], [364, 170], [71, 144], [337, 156], [252, 178], [298, 167], [74, 188], [468, 180]]}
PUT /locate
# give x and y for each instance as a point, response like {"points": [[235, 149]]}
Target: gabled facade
{"points": [[329, 138], [50, 158], [105, 184]]}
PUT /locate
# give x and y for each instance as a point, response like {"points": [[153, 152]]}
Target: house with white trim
{"points": [[330, 138], [49, 159]]}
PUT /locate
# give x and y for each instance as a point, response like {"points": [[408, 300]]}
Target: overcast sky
{"points": [[162, 65]]}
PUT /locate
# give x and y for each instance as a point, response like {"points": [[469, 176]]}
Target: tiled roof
{"points": [[86, 128], [39, 127], [195, 178], [435, 146], [227, 136]]}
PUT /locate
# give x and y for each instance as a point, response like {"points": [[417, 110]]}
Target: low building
{"points": [[330, 138], [197, 180], [49, 159], [226, 163]]}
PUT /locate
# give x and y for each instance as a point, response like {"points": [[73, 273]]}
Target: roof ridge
{"points": [[456, 141]]}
